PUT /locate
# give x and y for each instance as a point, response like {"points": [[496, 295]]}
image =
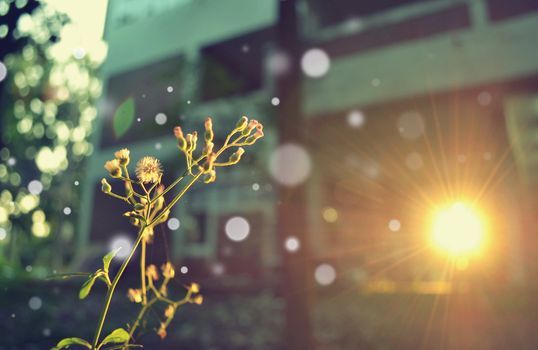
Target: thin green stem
{"points": [[176, 199], [143, 271], [110, 292]]}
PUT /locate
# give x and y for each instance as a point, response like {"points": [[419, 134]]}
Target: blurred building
{"points": [[405, 105]]}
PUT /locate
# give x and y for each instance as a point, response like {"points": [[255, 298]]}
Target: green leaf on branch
{"points": [[107, 259], [87, 286], [117, 336], [67, 342], [123, 118]]}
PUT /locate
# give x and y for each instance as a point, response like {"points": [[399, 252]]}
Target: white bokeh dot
{"points": [[160, 118], [35, 303], [355, 119], [79, 53], [414, 161], [46, 332], [28, 268], [394, 225], [158, 146], [411, 125], [255, 187], [173, 224], [275, 101], [278, 63], [217, 269], [124, 244], [325, 274], [77, 183], [67, 210], [3, 233], [184, 269], [3, 71], [237, 228], [11, 161], [290, 164], [170, 89], [292, 244], [35, 187], [315, 63]]}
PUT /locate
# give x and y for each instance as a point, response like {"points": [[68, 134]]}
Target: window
{"points": [[233, 67]]}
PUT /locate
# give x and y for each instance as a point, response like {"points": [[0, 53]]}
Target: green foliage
{"points": [[124, 117], [108, 258], [67, 342], [87, 286], [117, 336]]}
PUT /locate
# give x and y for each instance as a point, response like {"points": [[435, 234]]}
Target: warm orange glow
{"points": [[458, 229]]}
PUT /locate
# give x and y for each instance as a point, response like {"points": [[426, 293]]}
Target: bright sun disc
{"points": [[458, 229]]}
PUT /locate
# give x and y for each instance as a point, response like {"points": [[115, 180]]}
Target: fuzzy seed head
{"points": [[148, 170], [168, 270]]}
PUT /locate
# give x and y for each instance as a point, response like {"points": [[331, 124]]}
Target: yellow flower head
{"points": [[194, 288], [151, 272], [148, 170], [122, 156], [113, 168], [162, 331], [198, 300], [134, 295], [169, 312], [168, 270]]}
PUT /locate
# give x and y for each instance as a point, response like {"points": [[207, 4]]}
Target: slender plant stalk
{"points": [[110, 292], [143, 271]]}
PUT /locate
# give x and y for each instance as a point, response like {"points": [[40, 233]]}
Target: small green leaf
{"points": [[87, 286], [108, 258], [65, 343], [123, 118], [119, 335]]}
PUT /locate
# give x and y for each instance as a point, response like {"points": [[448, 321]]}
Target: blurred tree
{"points": [[47, 111]]}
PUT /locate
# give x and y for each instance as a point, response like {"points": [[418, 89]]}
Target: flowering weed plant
{"points": [[145, 193]]}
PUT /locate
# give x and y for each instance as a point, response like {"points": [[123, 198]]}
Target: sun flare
{"points": [[458, 229]]}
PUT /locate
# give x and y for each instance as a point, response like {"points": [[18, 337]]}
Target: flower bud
{"points": [[208, 136], [170, 311], [168, 270], [113, 168], [105, 186], [162, 330], [198, 300], [210, 160], [211, 176], [122, 156], [139, 206], [181, 142], [152, 273], [208, 149], [134, 295], [194, 140], [236, 156], [241, 124], [194, 288]]}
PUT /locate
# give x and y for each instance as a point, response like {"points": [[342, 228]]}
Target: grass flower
{"points": [[149, 208], [148, 170]]}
